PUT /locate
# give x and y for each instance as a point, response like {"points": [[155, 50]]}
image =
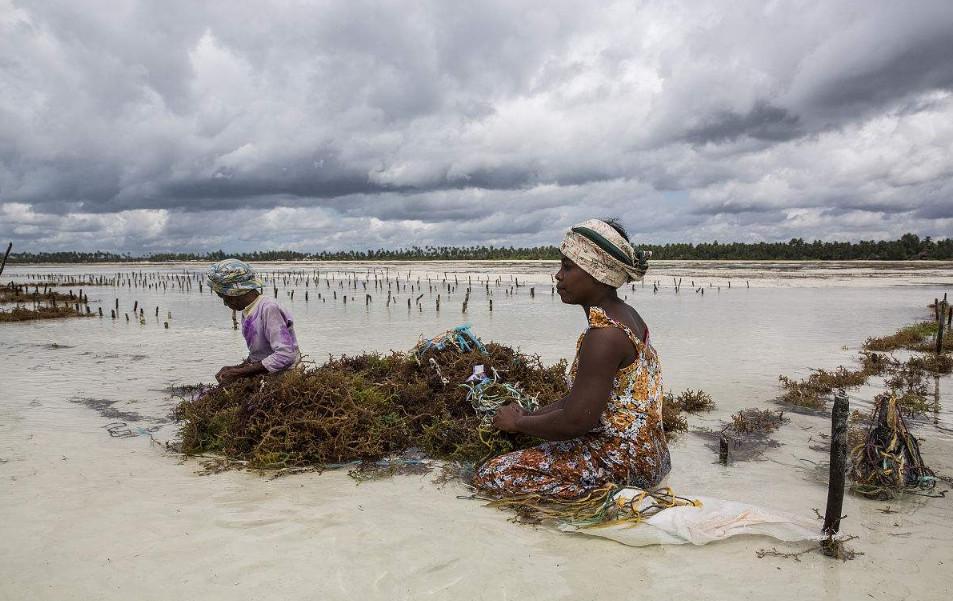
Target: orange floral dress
{"points": [[627, 447]]}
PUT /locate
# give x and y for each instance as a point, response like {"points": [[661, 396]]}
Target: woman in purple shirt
{"points": [[267, 327]]}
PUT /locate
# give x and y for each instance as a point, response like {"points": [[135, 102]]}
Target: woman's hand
{"points": [[506, 416], [230, 373], [227, 374]]}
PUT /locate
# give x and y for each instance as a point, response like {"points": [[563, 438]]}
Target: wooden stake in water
{"points": [[940, 325], [5, 255], [838, 471], [724, 448], [936, 399]]}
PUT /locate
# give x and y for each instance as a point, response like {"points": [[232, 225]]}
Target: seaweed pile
{"points": [[814, 392], [370, 406], [437, 400], [17, 293], [745, 437], [45, 304], [673, 421], [694, 401], [688, 401], [754, 421], [915, 337], [42, 312], [907, 380]]}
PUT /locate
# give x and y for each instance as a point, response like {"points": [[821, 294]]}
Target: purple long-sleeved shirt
{"points": [[269, 333]]}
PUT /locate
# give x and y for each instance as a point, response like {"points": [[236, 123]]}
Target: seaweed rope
{"points": [[889, 459], [484, 393], [607, 505], [488, 394], [461, 337]]}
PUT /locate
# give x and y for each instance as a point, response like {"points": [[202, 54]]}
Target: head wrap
{"points": [[599, 250], [232, 277]]}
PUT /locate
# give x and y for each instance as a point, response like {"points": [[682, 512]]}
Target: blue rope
{"points": [[461, 336]]}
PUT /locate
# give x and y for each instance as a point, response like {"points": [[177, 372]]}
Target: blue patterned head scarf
{"points": [[232, 277]]}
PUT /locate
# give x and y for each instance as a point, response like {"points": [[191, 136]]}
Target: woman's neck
{"points": [[604, 301], [249, 298]]}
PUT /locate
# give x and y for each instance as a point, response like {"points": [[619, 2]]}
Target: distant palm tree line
{"points": [[908, 247]]}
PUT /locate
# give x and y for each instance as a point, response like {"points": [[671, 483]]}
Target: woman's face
{"points": [[235, 303], [573, 284]]}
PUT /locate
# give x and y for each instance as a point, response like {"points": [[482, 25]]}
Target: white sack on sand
{"points": [[715, 520]]}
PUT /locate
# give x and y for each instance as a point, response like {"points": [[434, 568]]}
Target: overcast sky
{"points": [[152, 126]]}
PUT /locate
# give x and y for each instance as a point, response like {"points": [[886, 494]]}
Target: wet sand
{"points": [[90, 517]]}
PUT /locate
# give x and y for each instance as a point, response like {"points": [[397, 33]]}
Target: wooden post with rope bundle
{"points": [[838, 470], [5, 255]]}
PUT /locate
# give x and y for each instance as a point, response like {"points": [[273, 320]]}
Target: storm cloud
{"points": [[152, 126]]}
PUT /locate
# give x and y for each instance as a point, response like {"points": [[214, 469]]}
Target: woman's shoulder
{"points": [[624, 318], [269, 306], [598, 318], [603, 328]]}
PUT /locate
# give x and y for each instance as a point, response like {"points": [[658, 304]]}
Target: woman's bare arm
{"points": [[600, 355], [554, 406]]}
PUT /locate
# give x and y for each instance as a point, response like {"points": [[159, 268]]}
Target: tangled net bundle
{"points": [[888, 459], [485, 394], [372, 406]]}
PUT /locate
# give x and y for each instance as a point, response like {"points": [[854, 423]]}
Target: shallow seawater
{"points": [[109, 380], [731, 341]]}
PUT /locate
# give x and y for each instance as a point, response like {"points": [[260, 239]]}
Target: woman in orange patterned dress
{"points": [[609, 427]]}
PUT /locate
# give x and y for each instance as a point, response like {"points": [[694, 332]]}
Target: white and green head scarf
{"points": [[599, 250]]}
